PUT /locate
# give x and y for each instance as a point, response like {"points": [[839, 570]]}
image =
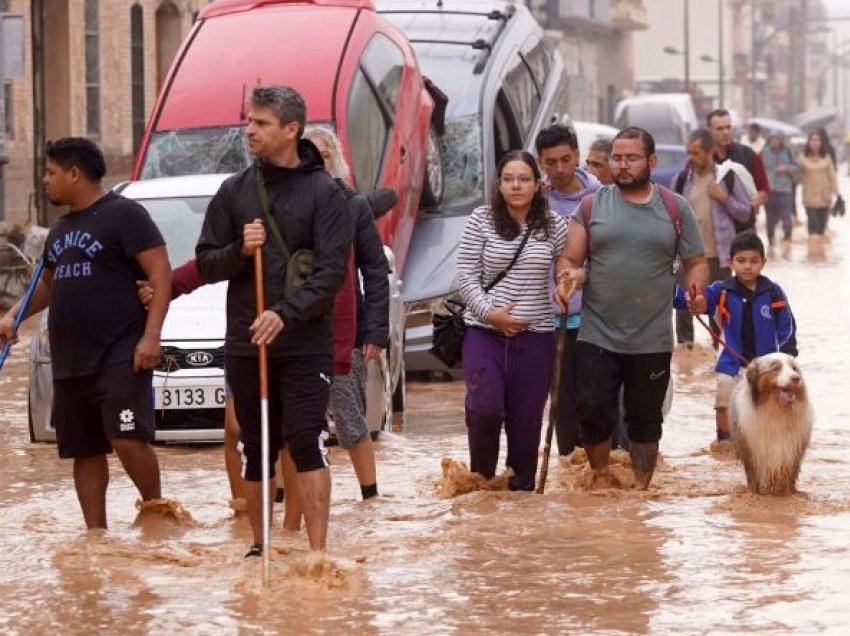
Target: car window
{"points": [[539, 60], [179, 221], [506, 131], [367, 133], [521, 90], [383, 62], [670, 158]]}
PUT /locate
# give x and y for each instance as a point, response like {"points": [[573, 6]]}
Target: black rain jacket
{"points": [[312, 213]]}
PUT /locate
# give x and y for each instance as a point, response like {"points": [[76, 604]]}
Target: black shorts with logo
{"points": [[299, 392], [91, 410], [601, 373]]}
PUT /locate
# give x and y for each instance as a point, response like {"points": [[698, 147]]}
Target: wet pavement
{"points": [[695, 554]]}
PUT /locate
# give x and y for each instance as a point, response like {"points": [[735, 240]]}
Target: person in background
{"points": [[819, 183], [597, 161], [719, 122], [781, 170], [348, 390], [716, 206], [509, 346], [753, 138], [558, 156]]}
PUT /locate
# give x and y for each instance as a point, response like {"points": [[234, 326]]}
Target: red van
{"points": [[356, 71]]}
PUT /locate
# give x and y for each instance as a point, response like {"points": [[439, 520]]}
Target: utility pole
{"points": [[720, 50], [687, 48], [804, 45]]}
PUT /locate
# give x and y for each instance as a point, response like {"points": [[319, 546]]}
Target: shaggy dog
{"points": [[771, 423]]}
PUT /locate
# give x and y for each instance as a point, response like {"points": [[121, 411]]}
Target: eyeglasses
{"points": [[627, 159], [522, 179]]}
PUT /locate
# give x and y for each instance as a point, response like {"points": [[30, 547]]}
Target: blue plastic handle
{"points": [[22, 310]]}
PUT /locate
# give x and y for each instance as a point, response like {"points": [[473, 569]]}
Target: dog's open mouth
{"points": [[785, 397]]}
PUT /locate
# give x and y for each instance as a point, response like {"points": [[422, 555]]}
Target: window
{"points": [[168, 36], [539, 60], [367, 133], [506, 134], [521, 91], [9, 123], [384, 63], [137, 73], [92, 38]]}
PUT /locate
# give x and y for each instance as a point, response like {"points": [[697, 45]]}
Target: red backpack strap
{"points": [[672, 204]]}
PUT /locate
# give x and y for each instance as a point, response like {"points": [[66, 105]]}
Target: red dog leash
{"points": [[716, 336]]}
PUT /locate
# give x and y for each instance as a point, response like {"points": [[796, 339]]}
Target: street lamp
{"points": [[672, 50], [711, 60]]}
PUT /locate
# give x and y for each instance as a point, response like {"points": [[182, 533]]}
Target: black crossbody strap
{"points": [[264, 201], [505, 271]]}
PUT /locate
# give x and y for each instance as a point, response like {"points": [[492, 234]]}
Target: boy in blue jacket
{"points": [[753, 313]]}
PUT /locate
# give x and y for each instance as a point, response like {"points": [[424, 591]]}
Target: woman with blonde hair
{"points": [[348, 390]]}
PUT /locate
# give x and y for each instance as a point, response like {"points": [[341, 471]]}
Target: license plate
{"points": [[189, 397]]}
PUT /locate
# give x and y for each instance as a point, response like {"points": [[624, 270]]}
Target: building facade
{"points": [[93, 69], [595, 39]]}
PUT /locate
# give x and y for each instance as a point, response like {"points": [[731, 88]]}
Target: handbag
{"points": [[299, 265], [838, 206], [450, 328]]}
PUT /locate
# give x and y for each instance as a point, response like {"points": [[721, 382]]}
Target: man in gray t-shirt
{"points": [[626, 335]]}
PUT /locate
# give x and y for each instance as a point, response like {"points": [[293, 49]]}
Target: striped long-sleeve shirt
{"points": [[483, 254]]}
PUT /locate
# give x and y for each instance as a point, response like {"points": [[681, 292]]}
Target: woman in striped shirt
{"points": [[509, 348]]}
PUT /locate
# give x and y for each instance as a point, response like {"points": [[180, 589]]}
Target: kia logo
{"points": [[199, 358]]}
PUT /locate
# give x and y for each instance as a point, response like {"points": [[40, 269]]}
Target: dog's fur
{"points": [[771, 423]]}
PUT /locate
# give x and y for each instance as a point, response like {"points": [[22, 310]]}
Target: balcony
{"points": [[629, 15]]}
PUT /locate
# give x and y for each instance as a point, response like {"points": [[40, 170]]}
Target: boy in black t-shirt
{"points": [[103, 343]]}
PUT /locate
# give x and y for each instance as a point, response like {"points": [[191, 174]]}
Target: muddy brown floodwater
{"points": [[695, 554]]}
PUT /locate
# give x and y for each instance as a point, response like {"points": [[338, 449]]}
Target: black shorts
{"points": [[89, 411], [601, 373], [299, 390]]}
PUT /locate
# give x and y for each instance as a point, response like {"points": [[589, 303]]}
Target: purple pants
{"points": [[507, 381]]}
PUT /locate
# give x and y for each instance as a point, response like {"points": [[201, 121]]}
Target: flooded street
{"points": [[695, 554]]}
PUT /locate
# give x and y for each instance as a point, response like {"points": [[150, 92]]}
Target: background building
{"points": [[93, 68], [595, 39]]}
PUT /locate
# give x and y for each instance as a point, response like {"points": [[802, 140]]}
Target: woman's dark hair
{"points": [[538, 214], [824, 144]]}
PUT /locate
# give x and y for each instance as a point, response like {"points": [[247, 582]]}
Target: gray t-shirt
{"points": [[628, 297]]}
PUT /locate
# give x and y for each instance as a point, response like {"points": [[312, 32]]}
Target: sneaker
{"points": [[255, 551]]}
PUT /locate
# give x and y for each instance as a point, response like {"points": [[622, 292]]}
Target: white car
{"points": [[189, 382], [588, 132]]}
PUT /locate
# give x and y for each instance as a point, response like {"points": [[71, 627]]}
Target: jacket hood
{"points": [[310, 160], [589, 185]]}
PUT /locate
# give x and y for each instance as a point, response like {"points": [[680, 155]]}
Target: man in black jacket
{"points": [[311, 213]]}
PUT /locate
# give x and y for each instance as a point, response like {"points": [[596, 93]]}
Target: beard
{"points": [[632, 183]]}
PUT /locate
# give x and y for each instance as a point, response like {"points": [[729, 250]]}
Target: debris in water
{"points": [[170, 509], [458, 479]]}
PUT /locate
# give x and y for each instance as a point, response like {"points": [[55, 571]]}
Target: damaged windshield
{"points": [[187, 151], [463, 171]]}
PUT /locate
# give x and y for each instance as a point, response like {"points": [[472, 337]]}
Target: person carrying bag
{"points": [[449, 328], [509, 344]]}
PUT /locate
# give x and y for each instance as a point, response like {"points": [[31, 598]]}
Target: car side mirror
{"points": [[382, 201]]}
